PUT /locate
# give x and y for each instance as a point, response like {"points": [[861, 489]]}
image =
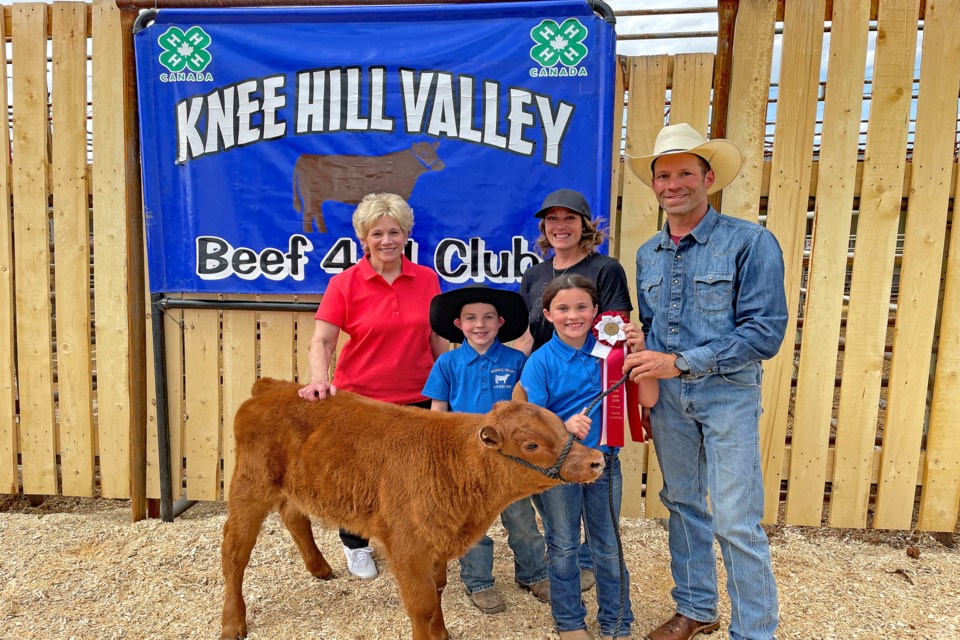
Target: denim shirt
{"points": [[717, 298]]}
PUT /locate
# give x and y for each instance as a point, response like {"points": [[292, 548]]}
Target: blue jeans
{"points": [[707, 440], [523, 536], [564, 507], [584, 558]]}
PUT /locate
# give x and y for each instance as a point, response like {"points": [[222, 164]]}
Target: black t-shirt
{"points": [[602, 270]]}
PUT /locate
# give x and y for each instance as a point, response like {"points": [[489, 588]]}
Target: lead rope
{"points": [[608, 459]]}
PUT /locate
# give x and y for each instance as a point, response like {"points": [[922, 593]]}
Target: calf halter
{"points": [[552, 472]]}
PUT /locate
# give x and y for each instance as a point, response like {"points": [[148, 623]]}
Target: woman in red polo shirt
{"points": [[383, 305]]}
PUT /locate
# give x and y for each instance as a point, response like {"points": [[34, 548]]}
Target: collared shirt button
{"points": [[673, 330], [709, 370], [675, 281], [674, 305]]}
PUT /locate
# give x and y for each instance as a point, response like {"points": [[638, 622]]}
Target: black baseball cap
{"points": [[567, 198]]}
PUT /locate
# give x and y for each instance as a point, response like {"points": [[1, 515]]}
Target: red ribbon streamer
{"points": [[622, 403]]}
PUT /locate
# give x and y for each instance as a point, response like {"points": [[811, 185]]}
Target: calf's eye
{"points": [[531, 446]]}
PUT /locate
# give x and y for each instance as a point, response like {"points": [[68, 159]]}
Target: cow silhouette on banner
{"points": [[347, 178]]}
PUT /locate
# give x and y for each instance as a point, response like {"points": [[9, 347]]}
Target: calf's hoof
{"points": [[322, 571], [233, 632], [233, 626]]}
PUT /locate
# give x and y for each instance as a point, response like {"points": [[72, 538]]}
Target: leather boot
{"points": [[680, 627]]}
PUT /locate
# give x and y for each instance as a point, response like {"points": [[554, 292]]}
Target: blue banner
{"points": [[262, 128]]}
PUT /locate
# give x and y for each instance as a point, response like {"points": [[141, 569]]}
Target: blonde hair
{"points": [[592, 235], [377, 205]]}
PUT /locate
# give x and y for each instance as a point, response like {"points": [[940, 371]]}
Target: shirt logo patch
{"points": [[503, 378]]}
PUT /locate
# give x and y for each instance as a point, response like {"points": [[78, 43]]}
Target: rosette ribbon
{"points": [[624, 402]]}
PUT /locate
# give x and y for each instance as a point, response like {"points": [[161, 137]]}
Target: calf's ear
{"points": [[519, 393], [491, 437]]}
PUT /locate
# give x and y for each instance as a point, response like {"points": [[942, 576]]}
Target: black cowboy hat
{"points": [[446, 307]]}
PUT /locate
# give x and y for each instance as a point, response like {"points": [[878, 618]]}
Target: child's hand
{"points": [[635, 338], [579, 424]]}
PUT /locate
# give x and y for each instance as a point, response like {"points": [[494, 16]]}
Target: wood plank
{"points": [[823, 308], [7, 20], [239, 374], [641, 219], [136, 286], [940, 498], [749, 90], [118, 277], [690, 92], [153, 446], [9, 481], [305, 326], [690, 95], [793, 155], [276, 341], [201, 337], [923, 244], [616, 167], [32, 253], [72, 249], [877, 226]]}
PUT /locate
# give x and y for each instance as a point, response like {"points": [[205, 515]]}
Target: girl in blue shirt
{"points": [[564, 376]]}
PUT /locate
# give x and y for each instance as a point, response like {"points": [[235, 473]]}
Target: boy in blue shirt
{"points": [[471, 379]]}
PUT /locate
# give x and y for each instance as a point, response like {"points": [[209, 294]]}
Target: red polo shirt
{"points": [[388, 356]]}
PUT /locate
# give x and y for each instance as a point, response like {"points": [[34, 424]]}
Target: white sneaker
{"points": [[360, 562]]}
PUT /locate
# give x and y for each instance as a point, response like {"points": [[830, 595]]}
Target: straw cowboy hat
{"points": [[445, 308], [724, 156]]}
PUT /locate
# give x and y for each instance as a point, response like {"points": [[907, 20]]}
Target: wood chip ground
{"points": [[78, 569]]}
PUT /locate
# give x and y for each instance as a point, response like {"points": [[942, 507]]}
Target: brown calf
{"points": [[426, 484]]}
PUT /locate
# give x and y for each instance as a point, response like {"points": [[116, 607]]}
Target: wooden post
{"points": [[118, 256]]}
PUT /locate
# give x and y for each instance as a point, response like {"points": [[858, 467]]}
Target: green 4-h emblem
{"points": [[185, 50], [559, 43]]}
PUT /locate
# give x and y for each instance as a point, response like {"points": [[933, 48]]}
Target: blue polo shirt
{"points": [[565, 380], [471, 382]]}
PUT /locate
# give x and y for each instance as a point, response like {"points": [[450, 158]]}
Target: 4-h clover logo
{"points": [[559, 43], [185, 50]]}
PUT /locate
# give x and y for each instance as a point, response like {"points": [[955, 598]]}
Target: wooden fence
{"points": [[858, 428]]}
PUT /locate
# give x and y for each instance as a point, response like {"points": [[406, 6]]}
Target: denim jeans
{"points": [[705, 429], [564, 507], [523, 536], [584, 557]]}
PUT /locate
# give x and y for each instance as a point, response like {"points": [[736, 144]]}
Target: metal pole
{"points": [[163, 425], [237, 305]]}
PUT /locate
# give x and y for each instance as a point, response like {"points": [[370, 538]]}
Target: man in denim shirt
{"points": [[711, 299]]}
